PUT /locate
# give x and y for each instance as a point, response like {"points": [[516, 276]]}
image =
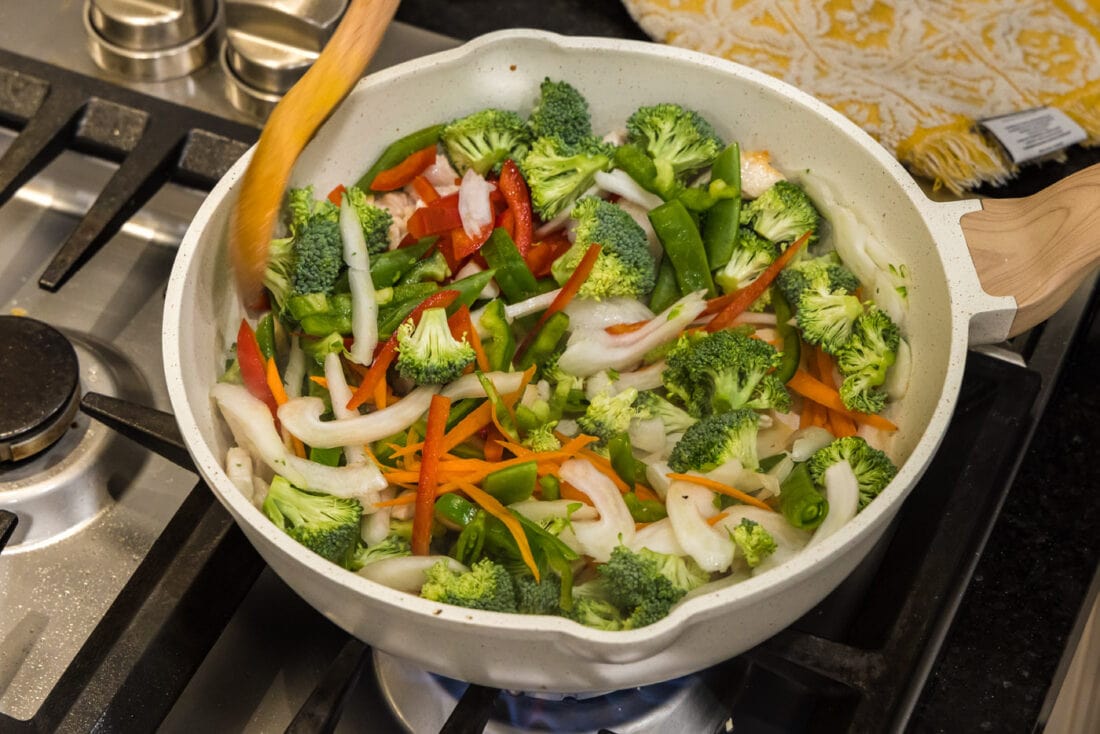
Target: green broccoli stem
{"points": [[399, 150], [683, 247], [639, 166], [546, 341], [792, 342], [515, 279], [723, 219], [800, 502], [666, 291]]}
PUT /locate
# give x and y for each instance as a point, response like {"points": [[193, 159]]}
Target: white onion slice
{"points": [[469, 386], [474, 208], [842, 492], [589, 314], [597, 538], [806, 441], [659, 537], [711, 549], [302, 417], [364, 307], [406, 573], [619, 182], [543, 510]]}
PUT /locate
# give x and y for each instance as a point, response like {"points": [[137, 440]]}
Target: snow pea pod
{"points": [[683, 246], [512, 483], [792, 343], [388, 267], [500, 344], [515, 279], [666, 291], [723, 219], [800, 502], [399, 150]]}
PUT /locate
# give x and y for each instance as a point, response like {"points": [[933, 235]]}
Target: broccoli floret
{"points": [[873, 468], [715, 440], [374, 220], [609, 415], [762, 303], [327, 525], [872, 348], [625, 266], [596, 613], [644, 585], [393, 546], [827, 319], [677, 139], [824, 274], [301, 207], [319, 257], [279, 273], [429, 355], [751, 257], [542, 438], [538, 597], [859, 394], [724, 371], [651, 405], [558, 173], [754, 542], [783, 213], [487, 585], [484, 140], [561, 111]]}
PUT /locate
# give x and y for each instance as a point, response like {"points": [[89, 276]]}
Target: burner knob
{"points": [[152, 39], [269, 44]]}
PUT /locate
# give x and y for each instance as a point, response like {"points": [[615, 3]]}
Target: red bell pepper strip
{"points": [[436, 218], [383, 358], [253, 368], [335, 195], [507, 221], [744, 297], [518, 199], [542, 255], [465, 245], [565, 295], [424, 189], [405, 171], [429, 474]]}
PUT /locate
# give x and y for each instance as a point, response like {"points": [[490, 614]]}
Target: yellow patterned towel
{"points": [[916, 74]]}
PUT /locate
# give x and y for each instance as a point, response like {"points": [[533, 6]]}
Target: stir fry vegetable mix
{"points": [[520, 368]]}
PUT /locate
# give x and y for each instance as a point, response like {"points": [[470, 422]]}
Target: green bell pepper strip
{"points": [[471, 541], [454, 511], [265, 335], [500, 344], [328, 457], [666, 291], [433, 267], [723, 219], [800, 502], [512, 483], [460, 409], [469, 289], [504, 416], [515, 279], [550, 487], [335, 318], [386, 268], [546, 341], [391, 316], [399, 150], [792, 342], [644, 510], [621, 454], [683, 247]]}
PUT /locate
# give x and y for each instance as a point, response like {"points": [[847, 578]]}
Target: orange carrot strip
{"points": [[379, 396], [625, 328], [410, 437], [429, 475], [605, 468], [809, 387], [462, 326], [725, 489], [645, 494], [569, 492], [275, 384], [712, 521], [494, 451], [565, 295], [319, 380], [492, 505], [744, 297], [839, 424]]}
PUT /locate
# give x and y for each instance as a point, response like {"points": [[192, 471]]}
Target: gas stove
{"points": [[129, 600]]}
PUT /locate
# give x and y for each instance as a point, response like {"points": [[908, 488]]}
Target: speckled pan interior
{"points": [[504, 69]]}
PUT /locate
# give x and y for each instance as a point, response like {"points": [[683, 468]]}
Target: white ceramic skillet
{"points": [[948, 311]]}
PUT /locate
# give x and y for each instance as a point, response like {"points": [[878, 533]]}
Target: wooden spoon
{"points": [[1037, 248], [291, 125]]}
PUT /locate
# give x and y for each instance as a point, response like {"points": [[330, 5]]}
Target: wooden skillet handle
{"points": [[1040, 248]]}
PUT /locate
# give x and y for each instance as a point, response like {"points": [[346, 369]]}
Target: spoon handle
{"points": [[291, 125], [1039, 248]]}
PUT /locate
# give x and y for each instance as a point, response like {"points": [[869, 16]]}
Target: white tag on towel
{"points": [[1034, 133]]}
